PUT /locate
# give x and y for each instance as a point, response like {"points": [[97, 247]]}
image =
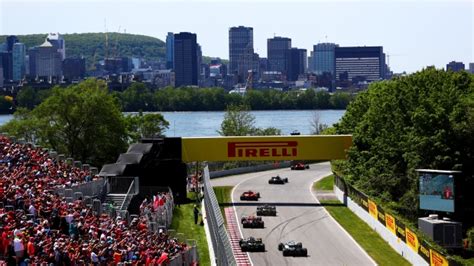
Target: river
{"points": [[193, 124]]}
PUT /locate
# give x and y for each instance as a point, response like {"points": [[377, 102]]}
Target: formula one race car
{"points": [[252, 222], [292, 248], [251, 244], [278, 180], [299, 166], [266, 210], [250, 195]]}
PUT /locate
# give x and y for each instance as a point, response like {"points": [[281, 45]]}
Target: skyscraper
{"points": [[365, 63], [45, 60], [10, 41], [323, 59], [57, 41], [240, 43], [455, 66], [471, 68], [276, 50], [74, 68], [185, 59], [169, 50], [18, 56], [6, 60], [295, 63]]}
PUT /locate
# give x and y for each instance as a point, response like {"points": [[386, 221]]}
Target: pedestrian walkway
{"points": [[241, 258]]}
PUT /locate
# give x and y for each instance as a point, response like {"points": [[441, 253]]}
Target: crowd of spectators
{"points": [[39, 227]]}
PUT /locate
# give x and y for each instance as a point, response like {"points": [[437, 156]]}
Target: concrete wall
{"points": [[392, 239], [250, 169]]}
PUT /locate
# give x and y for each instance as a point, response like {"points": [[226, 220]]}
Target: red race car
{"points": [[250, 195], [252, 222], [299, 166]]}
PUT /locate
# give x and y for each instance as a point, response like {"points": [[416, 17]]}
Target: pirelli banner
{"points": [[265, 148], [394, 225]]}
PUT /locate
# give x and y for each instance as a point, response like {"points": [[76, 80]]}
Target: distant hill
{"points": [[92, 45]]}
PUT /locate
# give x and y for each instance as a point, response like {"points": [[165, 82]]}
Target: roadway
{"points": [[299, 217]]}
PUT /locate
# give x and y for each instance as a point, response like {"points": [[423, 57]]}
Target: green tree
{"points": [[423, 120], [145, 126], [83, 121], [238, 121]]}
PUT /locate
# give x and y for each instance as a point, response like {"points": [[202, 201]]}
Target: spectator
{"points": [[196, 214]]}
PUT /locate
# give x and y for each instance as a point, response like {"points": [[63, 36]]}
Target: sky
{"points": [[414, 34]]}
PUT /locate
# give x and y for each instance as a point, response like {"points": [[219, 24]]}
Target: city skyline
{"points": [[414, 35]]}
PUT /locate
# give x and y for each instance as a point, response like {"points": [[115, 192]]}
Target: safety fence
{"points": [[92, 189], [219, 237], [401, 237], [162, 216], [250, 169]]}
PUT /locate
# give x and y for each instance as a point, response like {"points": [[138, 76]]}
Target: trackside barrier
{"points": [[186, 258], [219, 237], [162, 216], [249, 169], [91, 189], [403, 239]]}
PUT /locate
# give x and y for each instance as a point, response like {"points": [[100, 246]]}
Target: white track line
{"points": [[235, 213], [342, 228]]}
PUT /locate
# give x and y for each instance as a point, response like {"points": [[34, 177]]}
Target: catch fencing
{"points": [[219, 237], [400, 236]]}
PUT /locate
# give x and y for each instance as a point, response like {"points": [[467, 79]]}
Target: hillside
{"points": [[92, 45]]}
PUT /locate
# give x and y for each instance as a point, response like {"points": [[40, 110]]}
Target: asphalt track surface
{"points": [[300, 217]]}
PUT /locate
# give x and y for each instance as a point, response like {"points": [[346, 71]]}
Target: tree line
{"points": [[139, 97]]}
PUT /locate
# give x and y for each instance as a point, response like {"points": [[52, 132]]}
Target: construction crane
{"points": [[115, 53]]}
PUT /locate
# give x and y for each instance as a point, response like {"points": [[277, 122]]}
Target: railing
{"points": [[91, 189], [130, 193], [162, 216], [219, 237]]}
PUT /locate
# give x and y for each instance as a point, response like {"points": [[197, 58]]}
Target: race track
{"points": [[299, 217]]}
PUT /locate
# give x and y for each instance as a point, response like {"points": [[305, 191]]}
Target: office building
{"points": [[45, 60], [6, 60], [471, 68], [169, 50], [185, 59], [240, 43], [18, 61], [323, 58], [455, 66], [199, 62], [57, 41], [295, 63], [1, 76], [10, 41], [276, 52], [74, 68], [365, 63]]}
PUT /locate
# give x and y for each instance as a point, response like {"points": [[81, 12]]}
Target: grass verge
{"points": [[183, 222], [223, 195], [326, 183], [368, 239]]}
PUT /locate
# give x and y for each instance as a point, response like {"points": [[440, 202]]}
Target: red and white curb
{"points": [[241, 258]]}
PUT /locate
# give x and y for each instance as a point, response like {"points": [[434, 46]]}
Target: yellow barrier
{"points": [[265, 148]]}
